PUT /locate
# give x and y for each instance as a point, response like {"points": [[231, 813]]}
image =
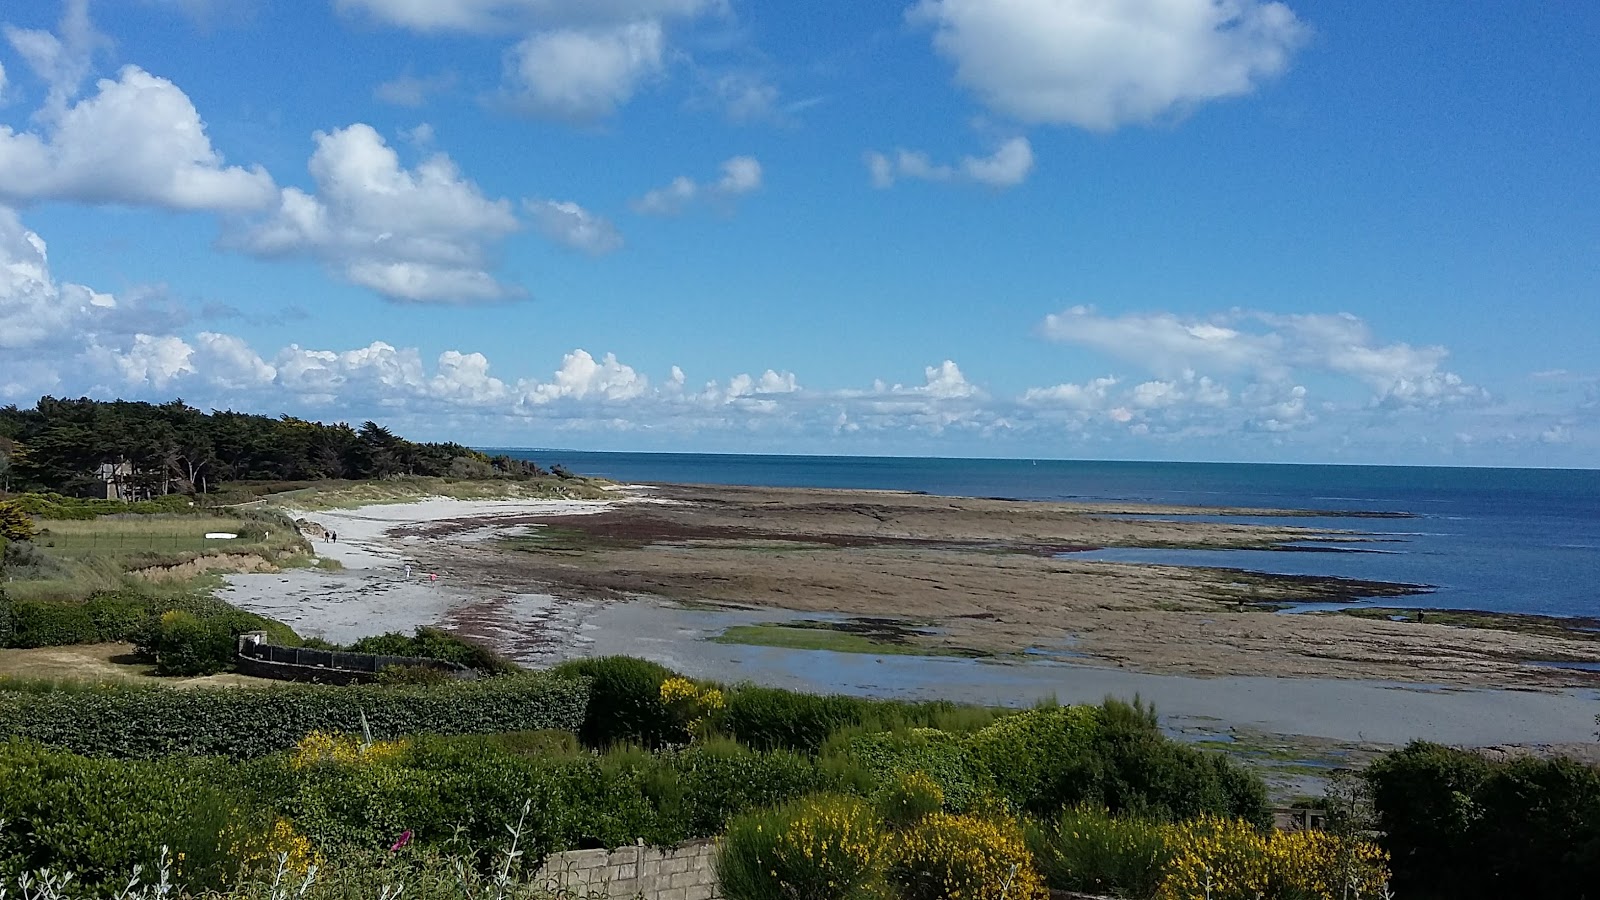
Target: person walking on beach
{"points": [[408, 571]]}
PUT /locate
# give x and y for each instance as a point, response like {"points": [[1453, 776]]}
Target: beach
{"points": [[663, 571]]}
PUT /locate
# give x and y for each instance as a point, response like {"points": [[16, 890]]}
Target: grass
{"points": [[405, 489], [98, 664], [71, 559], [819, 636]]}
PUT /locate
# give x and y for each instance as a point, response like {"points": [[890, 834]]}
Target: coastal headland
{"points": [[761, 583]]}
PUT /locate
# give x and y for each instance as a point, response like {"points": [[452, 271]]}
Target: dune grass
{"points": [[351, 494]]}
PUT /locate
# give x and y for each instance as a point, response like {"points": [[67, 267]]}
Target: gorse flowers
{"points": [[826, 847], [1223, 859], [951, 857], [321, 747], [689, 704]]}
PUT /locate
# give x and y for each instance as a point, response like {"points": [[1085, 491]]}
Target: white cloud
{"points": [[493, 16], [1269, 347], [152, 360], [137, 141], [413, 91], [745, 96], [2, 83], [581, 376], [570, 225], [420, 235], [63, 61], [740, 175], [1008, 166], [1099, 64], [582, 74], [33, 308]]}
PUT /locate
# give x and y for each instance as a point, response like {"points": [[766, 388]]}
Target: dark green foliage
{"points": [[1090, 851], [174, 449], [97, 818], [625, 702], [144, 722], [772, 718], [945, 757], [7, 626], [436, 643], [183, 635], [51, 505], [1115, 756], [1457, 825], [15, 523]]}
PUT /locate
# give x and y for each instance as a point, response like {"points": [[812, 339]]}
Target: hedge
{"points": [[123, 615], [1460, 826], [146, 722]]}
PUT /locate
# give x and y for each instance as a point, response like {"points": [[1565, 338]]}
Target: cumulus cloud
{"points": [[1269, 347], [582, 74], [420, 235], [1100, 65], [137, 141], [61, 60], [35, 309], [1008, 166], [740, 175], [495, 16], [570, 225]]}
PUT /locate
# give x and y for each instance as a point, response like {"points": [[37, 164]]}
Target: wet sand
{"points": [[654, 573]]}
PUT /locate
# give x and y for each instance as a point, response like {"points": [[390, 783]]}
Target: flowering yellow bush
{"points": [[909, 798], [821, 848], [689, 703], [951, 857], [1224, 859], [323, 747], [280, 842]]}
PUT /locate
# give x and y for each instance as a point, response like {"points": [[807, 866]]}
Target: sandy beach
{"points": [[658, 572]]}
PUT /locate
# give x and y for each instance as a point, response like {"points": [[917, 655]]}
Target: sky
{"points": [[1309, 231]]}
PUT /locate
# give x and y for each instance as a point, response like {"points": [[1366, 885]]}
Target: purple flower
{"points": [[401, 841]]}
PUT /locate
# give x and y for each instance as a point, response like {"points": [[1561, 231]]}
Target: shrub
{"points": [[719, 779], [1090, 851], [962, 858], [1042, 759], [820, 848], [97, 818], [690, 706], [1143, 772], [1230, 859], [138, 721], [908, 799], [413, 675], [185, 645], [15, 523], [1458, 825], [625, 702], [436, 643], [46, 623], [942, 756]]}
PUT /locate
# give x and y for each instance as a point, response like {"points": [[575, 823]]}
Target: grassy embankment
{"points": [[333, 494]]}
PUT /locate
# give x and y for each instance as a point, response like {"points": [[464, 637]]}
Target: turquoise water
{"points": [[1512, 540]]}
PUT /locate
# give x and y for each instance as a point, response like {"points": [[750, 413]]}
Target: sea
{"points": [[1503, 540]]}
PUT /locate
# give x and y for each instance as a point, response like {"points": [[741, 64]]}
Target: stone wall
{"points": [[684, 872]]}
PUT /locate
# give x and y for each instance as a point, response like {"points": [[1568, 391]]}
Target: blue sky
{"points": [[1171, 229]]}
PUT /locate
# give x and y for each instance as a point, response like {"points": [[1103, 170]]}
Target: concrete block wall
{"points": [[684, 872]]}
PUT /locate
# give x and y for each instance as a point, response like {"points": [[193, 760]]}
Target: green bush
{"points": [[1090, 851], [818, 848], [142, 722], [1457, 825], [1041, 759], [98, 818], [56, 506], [436, 643], [130, 614], [943, 756], [1143, 772], [909, 798], [625, 702], [185, 645]]}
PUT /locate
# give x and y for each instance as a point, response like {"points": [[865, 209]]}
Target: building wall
{"points": [[684, 872]]}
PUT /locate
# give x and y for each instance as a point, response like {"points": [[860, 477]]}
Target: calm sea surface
{"points": [[1514, 540]]}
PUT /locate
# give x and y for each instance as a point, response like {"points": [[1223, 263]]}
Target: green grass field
{"points": [[352, 494], [133, 535]]}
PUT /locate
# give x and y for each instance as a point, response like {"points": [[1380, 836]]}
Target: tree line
{"points": [[154, 449]]}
